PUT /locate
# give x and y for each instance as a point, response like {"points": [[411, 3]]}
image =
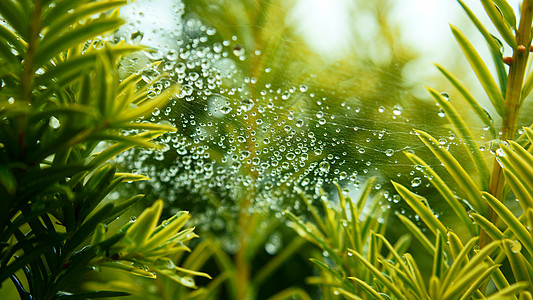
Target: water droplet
{"points": [[324, 166], [273, 244], [238, 50], [416, 182], [133, 219], [247, 104], [441, 113], [515, 246], [299, 123], [225, 110], [397, 110], [389, 152], [172, 55], [488, 114], [381, 109], [303, 88], [187, 281], [54, 122], [445, 95]]}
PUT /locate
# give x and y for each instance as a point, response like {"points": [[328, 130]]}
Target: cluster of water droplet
{"points": [[243, 138]]}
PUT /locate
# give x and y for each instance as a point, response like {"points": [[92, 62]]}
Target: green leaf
{"points": [[24, 259], [365, 193], [481, 70], [328, 269], [528, 87], [455, 244], [122, 207], [478, 110], [379, 276], [415, 230], [488, 227], [462, 130], [438, 259], [8, 180], [99, 234], [91, 295], [525, 295], [445, 192], [64, 110], [511, 221], [87, 228], [61, 43], [529, 215], [393, 252], [458, 263], [517, 261], [37, 180], [167, 229], [343, 292], [497, 18], [457, 172], [477, 281], [372, 292], [419, 207], [105, 87], [434, 287], [127, 266], [467, 275], [418, 279], [522, 193], [10, 37], [146, 126], [507, 11], [522, 153], [62, 24], [131, 177], [14, 15], [142, 229], [134, 140], [60, 8], [118, 148], [10, 58], [509, 291], [311, 233], [495, 46], [500, 281], [146, 107]]}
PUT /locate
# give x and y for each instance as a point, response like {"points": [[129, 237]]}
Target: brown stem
{"points": [[513, 99]]}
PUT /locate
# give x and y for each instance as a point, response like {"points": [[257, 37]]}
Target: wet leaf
{"points": [[481, 70]]}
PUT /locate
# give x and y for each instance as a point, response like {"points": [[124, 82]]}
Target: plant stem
{"points": [[512, 103], [33, 38]]}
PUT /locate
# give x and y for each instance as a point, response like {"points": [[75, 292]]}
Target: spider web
{"points": [[268, 138]]}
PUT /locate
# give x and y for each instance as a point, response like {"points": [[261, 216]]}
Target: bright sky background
{"points": [[424, 24]]}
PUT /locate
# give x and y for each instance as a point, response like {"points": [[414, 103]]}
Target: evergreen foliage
{"points": [[64, 114]]}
